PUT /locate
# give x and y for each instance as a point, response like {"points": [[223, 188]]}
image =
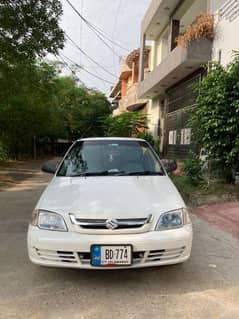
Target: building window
{"points": [[228, 9], [217, 4], [185, 136], [172, 137]]}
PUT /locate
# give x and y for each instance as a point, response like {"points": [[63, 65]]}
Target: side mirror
{"points": [[170, 166], [48, 168]]}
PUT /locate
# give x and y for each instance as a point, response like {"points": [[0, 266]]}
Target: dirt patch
{"points": [[15, 172]]}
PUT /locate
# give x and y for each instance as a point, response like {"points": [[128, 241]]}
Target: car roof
{"points": [[110, 138]]}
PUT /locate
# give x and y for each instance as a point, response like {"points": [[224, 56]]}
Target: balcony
{"points": [[179, 63], [131, 102], [157, 17]]}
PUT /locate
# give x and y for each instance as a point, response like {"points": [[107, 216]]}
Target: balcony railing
{"points": [[130, 98], [179, 63]]}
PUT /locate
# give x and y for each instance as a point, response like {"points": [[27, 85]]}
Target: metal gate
{"points": [[180, 101]]}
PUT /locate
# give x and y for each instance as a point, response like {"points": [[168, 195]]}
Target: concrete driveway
{"points": [[207, 286]]}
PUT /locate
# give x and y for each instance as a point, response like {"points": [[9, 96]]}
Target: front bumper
{"points": [[72, 249]]}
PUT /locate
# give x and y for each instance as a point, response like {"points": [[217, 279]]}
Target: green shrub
{"points": [[215, 120], [126, 124], [153, 141], [3, 153], [193, 169]]}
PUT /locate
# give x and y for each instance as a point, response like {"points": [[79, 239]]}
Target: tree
{"points": [[125, 124], [28, 106], [42, 105], [36, 103], [215, 120], [29, 28], [82, 109]]}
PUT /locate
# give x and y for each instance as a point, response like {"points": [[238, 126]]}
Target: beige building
{"points": [[183, 35], [124, 94]]}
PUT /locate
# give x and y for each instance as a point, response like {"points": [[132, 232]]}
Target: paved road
{"points": [[207, 286]]}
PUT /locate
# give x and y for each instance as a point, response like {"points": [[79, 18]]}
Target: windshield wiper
{"points": [[149, 173], [118, 173], [102, 173]]}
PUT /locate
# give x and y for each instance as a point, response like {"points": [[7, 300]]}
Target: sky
{"points": [[119, 19]]}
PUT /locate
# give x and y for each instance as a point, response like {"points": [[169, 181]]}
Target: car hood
{"points": [[111, 197]]}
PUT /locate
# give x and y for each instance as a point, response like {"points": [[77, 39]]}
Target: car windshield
{"points": [[110, 157]]}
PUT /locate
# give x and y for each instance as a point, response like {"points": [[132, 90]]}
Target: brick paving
{"points": [[225, 216]]}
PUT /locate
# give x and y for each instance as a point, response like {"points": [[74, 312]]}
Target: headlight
{"points": [[173, 219], [48, 220]]}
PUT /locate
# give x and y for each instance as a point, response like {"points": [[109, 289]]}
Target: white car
{"points": [[110, 205]]}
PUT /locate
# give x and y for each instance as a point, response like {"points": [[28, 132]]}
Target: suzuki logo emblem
{"points": [[111, 224]]}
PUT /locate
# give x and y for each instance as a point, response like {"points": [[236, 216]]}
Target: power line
{"points": [[81, 27], [92, 74], [116, 19], [97, 29], [90, 26], [83, 69], [97, 67], [98, 33], [68, 67], [114, 29], [107, 37], [91, 59], [104, 34]]}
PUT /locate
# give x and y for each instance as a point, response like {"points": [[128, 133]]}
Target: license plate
{"points": [[107, 255]]}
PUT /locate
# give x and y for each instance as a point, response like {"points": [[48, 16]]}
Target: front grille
{"points": [[164, 254], [83, 258], [61, 256], [110, 224], [143, 256]]}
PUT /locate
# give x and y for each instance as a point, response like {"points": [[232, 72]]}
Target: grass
{"points": [[214, 188]]}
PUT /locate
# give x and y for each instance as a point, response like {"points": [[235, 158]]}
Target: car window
{"points": [[104, 157]]}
